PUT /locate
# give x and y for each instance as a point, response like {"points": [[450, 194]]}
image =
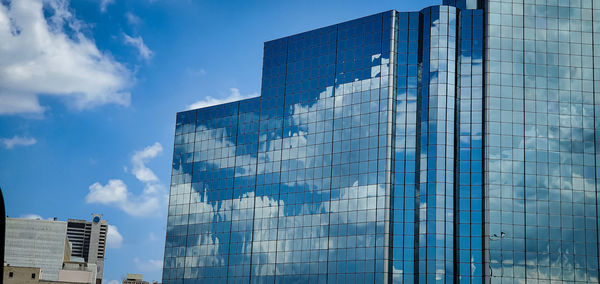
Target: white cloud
{"points": [[50, 56], [132, 19], [148, 265], [234, 95], [114, 282], [104, 4], [116, 193], [139, 160], [113, 192], [10, 143], [138, 43], [114, 239]]}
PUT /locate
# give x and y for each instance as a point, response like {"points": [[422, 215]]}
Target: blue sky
{"points": [[89, 90]]}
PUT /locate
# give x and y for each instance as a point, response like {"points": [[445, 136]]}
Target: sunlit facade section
{"points": [[541, 140]]}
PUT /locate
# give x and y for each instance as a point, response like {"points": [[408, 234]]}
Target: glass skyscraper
{"points": [[458, 144]]}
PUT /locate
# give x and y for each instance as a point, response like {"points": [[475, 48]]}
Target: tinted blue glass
{"points": [[539, 197], [401, 147], [437, 119], [470, 119], [405, 144], [290, 186], [464, 4]]}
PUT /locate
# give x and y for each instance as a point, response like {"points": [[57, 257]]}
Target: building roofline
{"points": [[39, 220], [220, 105], [328, 26]]}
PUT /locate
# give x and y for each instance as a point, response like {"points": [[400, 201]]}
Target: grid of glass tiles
{"points": [[403, 221], [540, 168], [596, 87], [469, 162], [425, 108], [358, 187], [242, 210], [348, 167], [267, 206], [290, 186], [464, 4], [436, 171]]}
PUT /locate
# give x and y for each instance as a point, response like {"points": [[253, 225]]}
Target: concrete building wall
{"points": [[21, 275], [36, 243], [88, 240], [76, 276], [78, 272]]}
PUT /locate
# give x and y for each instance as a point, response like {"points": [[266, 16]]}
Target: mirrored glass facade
{"points": [[541, 149], [454, 144]]}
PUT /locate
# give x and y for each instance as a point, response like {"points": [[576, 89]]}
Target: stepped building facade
{"points": [[457, 144]]}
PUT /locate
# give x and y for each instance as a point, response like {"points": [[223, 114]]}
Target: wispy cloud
{"points": [[138, 43], [195, 72], [104, 4], [32, 217], [139, 160], [149, 265], [116, 193], [132, 19], [10, 143], [114, 239], [114, 282], [44, 52], [152, 237], [234, 95]]}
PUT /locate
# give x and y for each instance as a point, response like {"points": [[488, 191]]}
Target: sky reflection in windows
{"points": [[364, 158]]}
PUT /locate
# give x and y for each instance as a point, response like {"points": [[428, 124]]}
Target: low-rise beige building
{"points": [[21, 275], [78, 272], [134, 279], [30, 275]]}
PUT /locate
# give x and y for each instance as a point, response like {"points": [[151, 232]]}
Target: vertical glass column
{"points": [[596, 90], [469, 199], [436, 204], [210, 222], [559, 196], [266, 204], [358, 185], [202, 212], [181, 178], [405, 146], [244, 155], [505, 145], [306, 143]]}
